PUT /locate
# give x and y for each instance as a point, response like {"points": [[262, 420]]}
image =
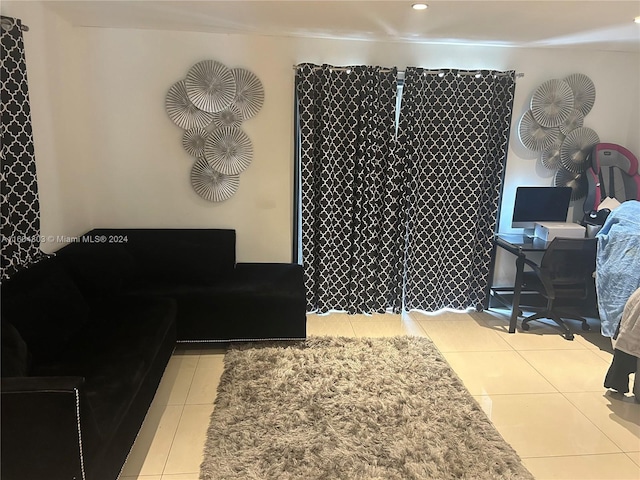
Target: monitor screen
{"points": [[540, 204]]}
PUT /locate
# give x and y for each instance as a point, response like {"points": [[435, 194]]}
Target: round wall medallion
{"points": [[228, 150], [182, 111], [575, 150], [584, 92], [210, 86], [577, 181], [229, 117], [551, 155], [249, 92], [552, 102], [533, 135], [210, 104], [193, 141], [212, 185], [573, 121]]}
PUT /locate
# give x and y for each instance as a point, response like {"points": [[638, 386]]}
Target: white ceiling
{"points": [[599, 25]]}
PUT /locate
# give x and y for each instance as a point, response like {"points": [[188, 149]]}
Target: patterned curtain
{"points": [[351, 188], [454, 130], [19, 191]]}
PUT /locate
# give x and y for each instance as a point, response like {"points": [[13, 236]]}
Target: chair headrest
{"points": [[613, 155]]}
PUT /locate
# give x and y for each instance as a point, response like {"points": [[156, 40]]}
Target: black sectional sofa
{"points": [[218, 299], [87, 334]]}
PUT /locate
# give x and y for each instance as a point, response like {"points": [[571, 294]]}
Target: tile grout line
{"points": [[415, 322], [510, 347], [164, 405], [599, 357], [528, 394], [353, 330], [570, 402], [580, 455], [504, 339], [631, 458], [538, 371], [584, 415], [546, 393], [557, 390], [186, 398], [577, 455], [478, 398], [476, 351], [175, 433], [173, 438]]}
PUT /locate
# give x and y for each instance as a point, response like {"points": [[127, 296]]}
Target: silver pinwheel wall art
{"points": [[210, 104], [554, 126]]}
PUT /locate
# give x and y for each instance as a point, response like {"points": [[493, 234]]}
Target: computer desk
{"points": [[518, 245]]}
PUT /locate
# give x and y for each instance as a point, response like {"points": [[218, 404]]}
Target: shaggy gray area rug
{"points": [[354, 409]]}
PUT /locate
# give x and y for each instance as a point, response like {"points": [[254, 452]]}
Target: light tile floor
{"points": [[543, 393]]}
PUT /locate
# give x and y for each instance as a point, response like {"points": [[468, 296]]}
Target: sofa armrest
{"points": [[44, 420], [23, 385]]}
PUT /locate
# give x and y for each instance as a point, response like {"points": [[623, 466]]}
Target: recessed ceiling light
{"points": [[637, 19], [419, 6]]}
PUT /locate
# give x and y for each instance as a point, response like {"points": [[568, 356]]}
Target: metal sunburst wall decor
{"points": [[554, 126], [210, 104]]}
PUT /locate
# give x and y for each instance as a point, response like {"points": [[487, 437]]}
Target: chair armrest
{"points": [[532, 264], [43, 425]]}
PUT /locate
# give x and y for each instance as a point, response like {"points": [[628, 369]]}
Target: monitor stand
{"points": [[529, 232]]}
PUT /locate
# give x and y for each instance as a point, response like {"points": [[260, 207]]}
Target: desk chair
{"points": [[565, 272]]}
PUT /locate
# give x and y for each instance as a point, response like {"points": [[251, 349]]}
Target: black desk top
{"points": [[522, 242]]}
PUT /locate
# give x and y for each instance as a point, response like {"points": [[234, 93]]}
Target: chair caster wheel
{"points": [[586, 327], [525, 327], [569, 336]]}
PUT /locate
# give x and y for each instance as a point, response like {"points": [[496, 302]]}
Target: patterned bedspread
{"points": [[617, 263]]}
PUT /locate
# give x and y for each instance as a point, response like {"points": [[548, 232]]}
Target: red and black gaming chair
{"points": [[613, 173]]}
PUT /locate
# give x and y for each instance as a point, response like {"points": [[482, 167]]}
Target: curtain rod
{"points": [[7, 25], [401, 72]]}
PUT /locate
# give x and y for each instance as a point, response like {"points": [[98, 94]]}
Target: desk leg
{"points": [[517, 288], [492, 268]]}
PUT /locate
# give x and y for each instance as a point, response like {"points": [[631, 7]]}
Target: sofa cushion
{"points": [[45, 306], [15, 354], [98, 268], [257, 301]]}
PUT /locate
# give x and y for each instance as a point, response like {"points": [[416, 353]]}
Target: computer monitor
{"points": [[540, 204]]}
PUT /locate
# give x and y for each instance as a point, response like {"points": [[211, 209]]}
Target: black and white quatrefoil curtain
{"points": [[351, 188], [19, 192], [454, 129]]}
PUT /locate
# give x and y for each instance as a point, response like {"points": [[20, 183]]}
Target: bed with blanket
{"points": [[618, 290]]}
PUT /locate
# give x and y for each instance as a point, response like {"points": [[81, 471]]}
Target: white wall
{"points": [[55, 65], [128, 167]]}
